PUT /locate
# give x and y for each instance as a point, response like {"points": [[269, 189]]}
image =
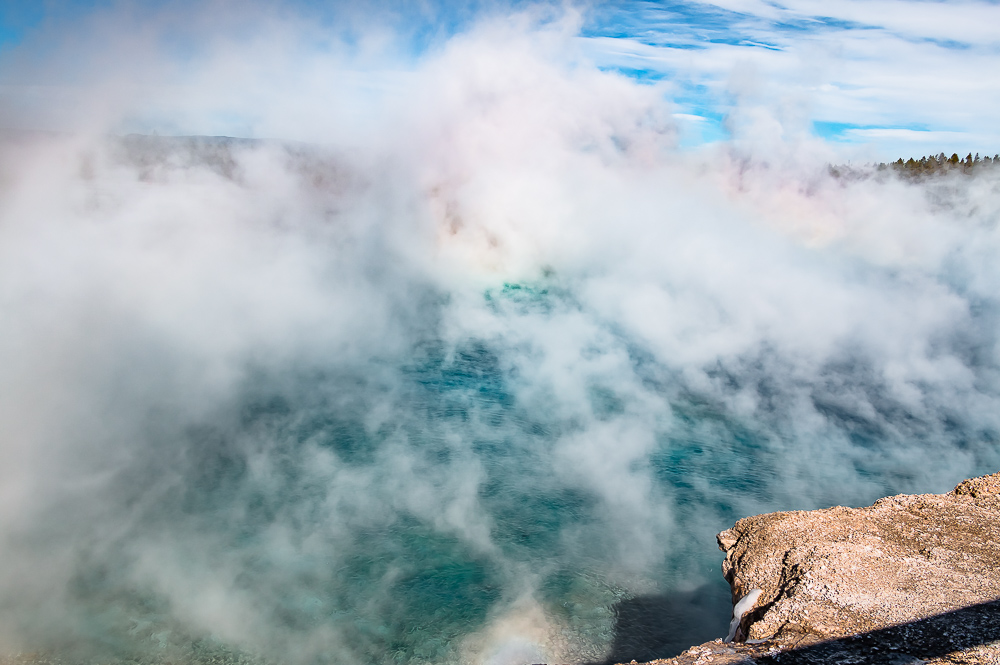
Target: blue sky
{"points": [[902, 75], [887, 76]]}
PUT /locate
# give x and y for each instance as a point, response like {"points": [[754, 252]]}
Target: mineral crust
{"points": [[911, 579]]}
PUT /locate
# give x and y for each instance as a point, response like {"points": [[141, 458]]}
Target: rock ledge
{"points": [[910, 579]]}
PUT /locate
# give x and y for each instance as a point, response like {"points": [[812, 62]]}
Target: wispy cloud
{"points": [[868, 64], [885, 63]]}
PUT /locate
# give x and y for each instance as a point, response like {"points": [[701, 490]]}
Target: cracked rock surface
{"points": [[911, 579]]}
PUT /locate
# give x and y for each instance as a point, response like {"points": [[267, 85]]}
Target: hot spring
{"points": [[475, 377]]}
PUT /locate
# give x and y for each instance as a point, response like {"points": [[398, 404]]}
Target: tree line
{"points": [[918, 169], [939, 164]]}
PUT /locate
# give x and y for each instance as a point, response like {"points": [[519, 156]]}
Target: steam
{"points": [[463, 355]]}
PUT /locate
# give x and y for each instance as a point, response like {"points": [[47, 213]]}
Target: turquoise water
{"points": [[290, 422], [418, 509]]}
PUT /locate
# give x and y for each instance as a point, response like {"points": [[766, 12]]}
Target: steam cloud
{"points": [[474, 354]]}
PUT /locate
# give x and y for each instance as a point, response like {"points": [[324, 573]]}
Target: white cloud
{"points": [[895, 71]]}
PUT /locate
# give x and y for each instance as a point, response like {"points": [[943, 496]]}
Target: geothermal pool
{"points": [[271, 403]]}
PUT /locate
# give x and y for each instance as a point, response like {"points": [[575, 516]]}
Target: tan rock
{"points": [[841, 571], [910, 580]]}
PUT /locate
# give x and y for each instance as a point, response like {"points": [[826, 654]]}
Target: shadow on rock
{"points": [[664, 625], [935, 637]]}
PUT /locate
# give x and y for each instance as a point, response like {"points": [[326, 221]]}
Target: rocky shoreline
{"points": [[911, 579]]}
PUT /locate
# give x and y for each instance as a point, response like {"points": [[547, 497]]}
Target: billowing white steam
{"points": [[501, 194]]}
